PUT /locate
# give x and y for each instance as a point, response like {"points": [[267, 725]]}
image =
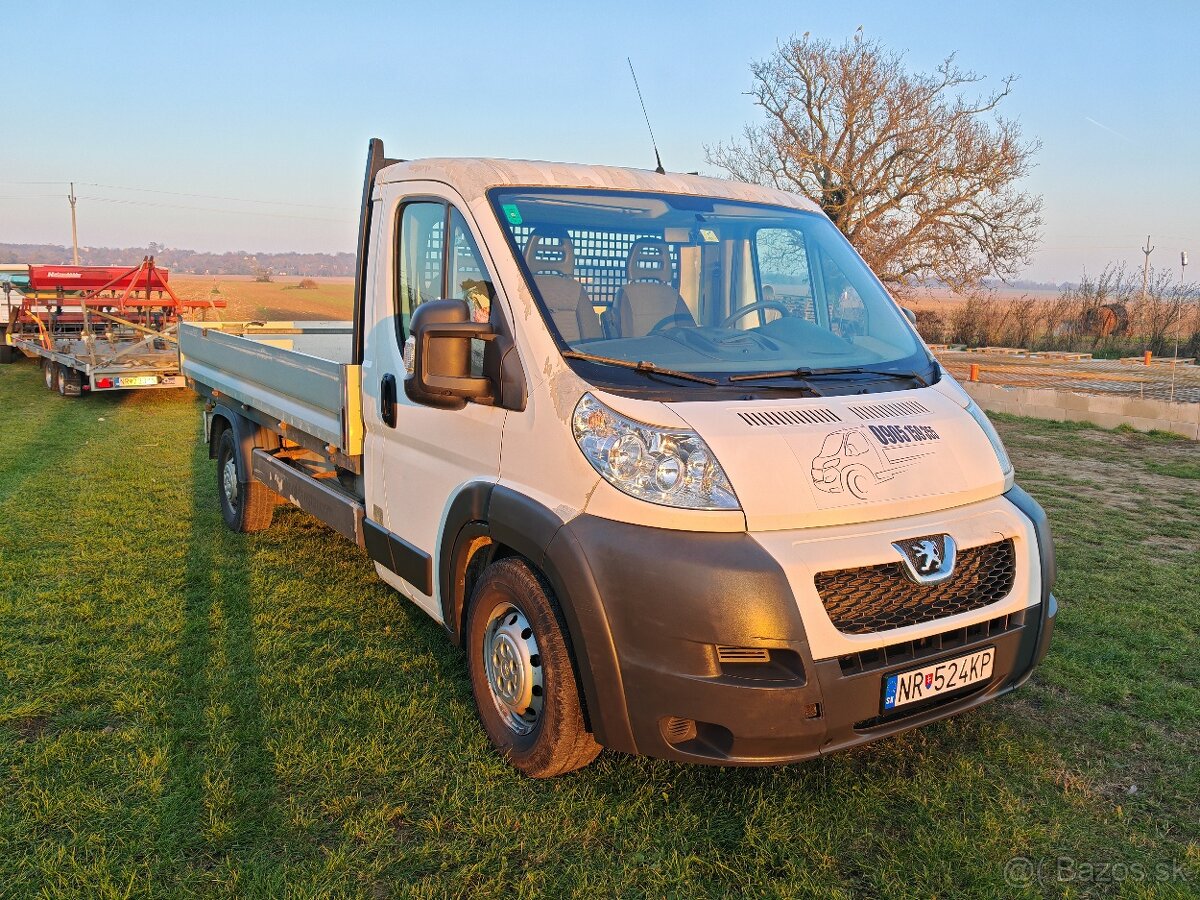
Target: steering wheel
{"points": [[671, 321], [755, 307]]}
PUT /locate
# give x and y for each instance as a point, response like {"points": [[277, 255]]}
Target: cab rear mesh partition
{"points": [[881, 597], [601, 258]]}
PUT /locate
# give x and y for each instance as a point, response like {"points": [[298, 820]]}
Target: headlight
{"points": [[668, 466], [989, 429]]}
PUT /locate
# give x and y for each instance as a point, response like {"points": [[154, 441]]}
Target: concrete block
{"points": [[1072, 401], [1148, 409]]}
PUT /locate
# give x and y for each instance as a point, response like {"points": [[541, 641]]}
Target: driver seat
{"points": [[649, 297], [551, 261]]}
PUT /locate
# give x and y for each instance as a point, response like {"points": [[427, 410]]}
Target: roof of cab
{"points": [[473, 177]]}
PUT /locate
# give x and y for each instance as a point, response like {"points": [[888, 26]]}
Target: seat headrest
{"points": [[649, 260], [550, 251]]}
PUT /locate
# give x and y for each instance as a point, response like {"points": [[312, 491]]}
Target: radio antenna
{"points": [[658, 159]]}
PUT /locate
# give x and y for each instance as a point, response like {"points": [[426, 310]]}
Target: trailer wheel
{"points": [[8, 353], [50, 374], [69, 382], [246, 505], [522, 673]]}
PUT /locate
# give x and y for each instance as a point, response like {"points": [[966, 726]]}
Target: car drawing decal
{"points": [[868, 461]]}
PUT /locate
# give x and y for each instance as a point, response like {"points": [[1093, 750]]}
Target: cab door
{"points": [[426, 249]]}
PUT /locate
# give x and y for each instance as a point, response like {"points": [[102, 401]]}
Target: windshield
{"points": [[703, 285]]}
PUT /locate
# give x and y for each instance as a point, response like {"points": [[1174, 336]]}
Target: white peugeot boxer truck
{"points": [[660, 453]]}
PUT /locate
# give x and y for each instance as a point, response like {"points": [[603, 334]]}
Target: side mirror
{"points": [[442, 332], [910, 315]]}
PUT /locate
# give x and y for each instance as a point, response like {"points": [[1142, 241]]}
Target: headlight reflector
{"points": [[668, 466]]}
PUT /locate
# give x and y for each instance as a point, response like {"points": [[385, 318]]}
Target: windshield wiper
{"points": [[826, 373], [648, 368]]}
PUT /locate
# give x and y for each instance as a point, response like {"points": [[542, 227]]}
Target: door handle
{"points": [[387, 400]]}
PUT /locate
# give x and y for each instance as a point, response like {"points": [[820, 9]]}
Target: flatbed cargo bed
{"points": [[292, 377]]}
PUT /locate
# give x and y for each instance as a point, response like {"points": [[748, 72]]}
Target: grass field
{"points": [[185, 711]]}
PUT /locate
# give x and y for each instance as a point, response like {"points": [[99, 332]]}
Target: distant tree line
{"points": [[236, 262]]}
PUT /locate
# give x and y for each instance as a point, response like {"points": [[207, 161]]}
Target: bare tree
{"points": [[921, 179], [1161, 317]]}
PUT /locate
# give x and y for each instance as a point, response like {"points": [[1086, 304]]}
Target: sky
{"points": [[243, 126]]}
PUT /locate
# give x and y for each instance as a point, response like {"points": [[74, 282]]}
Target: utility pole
{"points": [[1182, 287], [75, 234], [1146, 267]]}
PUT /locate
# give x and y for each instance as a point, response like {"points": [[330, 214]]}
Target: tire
{"points": [[8, 353], [50, 374], [523, 675], [246, 505], [68, 382]]}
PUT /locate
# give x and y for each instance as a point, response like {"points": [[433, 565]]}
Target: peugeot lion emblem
{"points": [[928, 560]]}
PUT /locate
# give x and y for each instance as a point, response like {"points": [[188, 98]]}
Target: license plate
{"points": [[937, 678], [137, 380]]}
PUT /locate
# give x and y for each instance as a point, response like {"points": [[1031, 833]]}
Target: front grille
{"points": [[881, 597], [922, 648]]}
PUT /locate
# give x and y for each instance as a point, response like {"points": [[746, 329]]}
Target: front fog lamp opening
{"points": [[668, 466]]}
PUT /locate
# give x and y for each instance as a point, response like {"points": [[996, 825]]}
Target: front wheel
{"points": [[50, 374], [246, 505], [522, 674]]}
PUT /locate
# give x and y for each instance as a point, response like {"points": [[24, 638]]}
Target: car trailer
{"points": [[102, 328]]}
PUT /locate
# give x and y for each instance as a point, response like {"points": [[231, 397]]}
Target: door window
{"points": [[421, 255], [467, 278]]}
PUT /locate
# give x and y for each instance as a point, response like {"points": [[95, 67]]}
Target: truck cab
{"points": [[659, 451]]}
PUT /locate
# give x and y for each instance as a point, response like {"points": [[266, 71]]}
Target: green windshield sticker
{"points": [[709, 236], [512, 213]]}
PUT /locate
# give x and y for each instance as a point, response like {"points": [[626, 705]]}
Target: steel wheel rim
{"points": [[229, 482], [513, 664]]}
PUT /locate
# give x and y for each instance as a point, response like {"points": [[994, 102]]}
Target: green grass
{"points": [[185, 711]]}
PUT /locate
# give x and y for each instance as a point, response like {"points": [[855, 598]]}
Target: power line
{"points": [[119, 187], [207, 209]]}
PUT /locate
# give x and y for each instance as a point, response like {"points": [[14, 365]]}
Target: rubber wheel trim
{"points": [[560, 741]]}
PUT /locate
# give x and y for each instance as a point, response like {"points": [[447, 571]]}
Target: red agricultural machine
{"points": [[100, 328]]}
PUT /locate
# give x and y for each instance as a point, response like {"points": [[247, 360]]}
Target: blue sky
{"points": [[275, 102]]}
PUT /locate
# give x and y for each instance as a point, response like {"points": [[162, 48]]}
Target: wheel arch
{"points": [[487, 522], [247, 434]]}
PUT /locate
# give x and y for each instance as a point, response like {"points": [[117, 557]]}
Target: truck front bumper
{"points": [[663, 657]]}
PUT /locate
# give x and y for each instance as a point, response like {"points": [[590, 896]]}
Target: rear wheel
{"points": [[68, 382], [50, 374], [246, 505], [522, 674], [8, 353]]}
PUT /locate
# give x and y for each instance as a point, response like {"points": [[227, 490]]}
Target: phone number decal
{"points": [[903, 434]]}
